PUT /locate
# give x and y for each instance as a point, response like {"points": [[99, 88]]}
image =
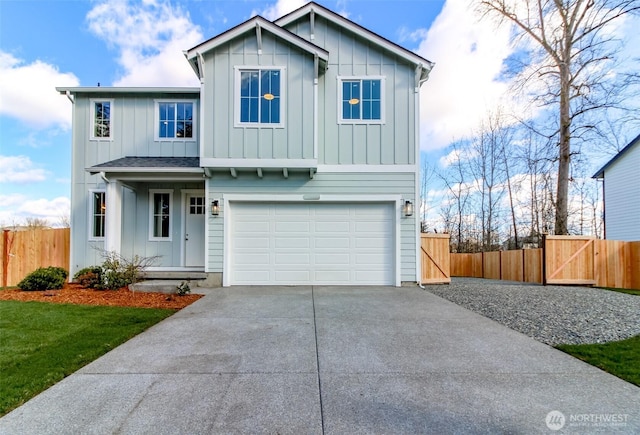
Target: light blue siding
{"points": [[222, 137], [349, 55]]}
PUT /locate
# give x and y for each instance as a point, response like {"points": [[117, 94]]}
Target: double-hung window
{"points": [[174, 120], [259, 97], [97, 214], [160, 211], [361, 100], [101, 119]]}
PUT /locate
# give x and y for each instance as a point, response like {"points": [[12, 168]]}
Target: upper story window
{"points": [[361, 100], [259, 97], [174, 120], [97, 214], [101, 111]]}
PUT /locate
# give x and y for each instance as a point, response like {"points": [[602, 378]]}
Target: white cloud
{"points": [[279, 9], [150, 37], [20, 169], [464, 83], [456, 155], [27, 92], [50, 210]]}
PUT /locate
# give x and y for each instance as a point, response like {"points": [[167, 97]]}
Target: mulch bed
{"points": [[76, 294]]}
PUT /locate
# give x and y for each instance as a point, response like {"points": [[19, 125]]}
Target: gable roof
{"points": [[600, 173], [256, 24], [367, 34]]}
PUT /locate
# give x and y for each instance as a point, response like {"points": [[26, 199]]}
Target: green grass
{"points": [[622, 290], [620, 358], [41, 343]]}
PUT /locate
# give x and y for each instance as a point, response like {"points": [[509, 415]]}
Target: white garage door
{"points": [[312, 243]]}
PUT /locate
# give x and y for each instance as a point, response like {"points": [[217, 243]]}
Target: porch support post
{"points": [[113, 224]]}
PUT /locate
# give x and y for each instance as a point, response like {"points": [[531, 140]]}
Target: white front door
{"points": [[194, 230]]}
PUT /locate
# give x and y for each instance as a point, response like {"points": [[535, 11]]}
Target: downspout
{"points": [[316, 66], [418, 196], [104, 177]]}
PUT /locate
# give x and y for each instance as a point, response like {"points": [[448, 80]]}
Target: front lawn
{"points": [[41, 343], [620, 358]]}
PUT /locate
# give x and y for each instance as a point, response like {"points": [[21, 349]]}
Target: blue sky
{"points": [[51, 43]]}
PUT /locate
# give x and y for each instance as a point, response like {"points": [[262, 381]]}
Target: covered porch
{"points": [[156, 207]]}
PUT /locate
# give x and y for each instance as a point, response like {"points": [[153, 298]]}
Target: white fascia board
{"points": [[146, 170], [309, 197], [358, 30], [127, 90], [250, 26], [259, 163], [367, 168]]}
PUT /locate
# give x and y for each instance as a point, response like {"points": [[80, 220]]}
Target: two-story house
{"points": [[296, 161]]}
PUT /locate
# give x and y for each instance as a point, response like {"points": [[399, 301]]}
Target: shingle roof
{"points": [[151, 162]]}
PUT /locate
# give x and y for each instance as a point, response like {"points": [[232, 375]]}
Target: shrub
{"points": [[45, 278], [117, 271], [89, 277], [184, 289]]}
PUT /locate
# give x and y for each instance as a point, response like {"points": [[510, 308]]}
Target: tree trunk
{"points": [[564, 161]]}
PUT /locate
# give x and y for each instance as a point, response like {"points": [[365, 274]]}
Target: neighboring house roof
{"points": [[367, 34], [139, 164], [600, 173], [255, 24]]}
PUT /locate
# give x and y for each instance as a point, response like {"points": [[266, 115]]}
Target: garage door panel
{"points": [[292, 226], [337, 259], [331, 243], [292, 242], [319, 243], [332, 227], [292, 259]]}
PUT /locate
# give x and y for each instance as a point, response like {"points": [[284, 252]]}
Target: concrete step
{"points": [[168, 286], [173, 275]]}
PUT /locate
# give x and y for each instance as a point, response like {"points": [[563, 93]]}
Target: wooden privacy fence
{"points": [[25, 251], [574, 260], [435, 257]]}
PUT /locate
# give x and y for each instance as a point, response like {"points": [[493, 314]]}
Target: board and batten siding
{"points": [[622, 197], [221, 137], [402, 184], [349, 55]]}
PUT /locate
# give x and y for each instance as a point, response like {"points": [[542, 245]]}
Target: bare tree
{"points": [[35, 223], [573, 54]]}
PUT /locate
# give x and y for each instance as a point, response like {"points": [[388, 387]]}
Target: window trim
{"points": [[236, 96], [91, 215], [156, 120], [382, 119], [92, 120], [152, 193]]}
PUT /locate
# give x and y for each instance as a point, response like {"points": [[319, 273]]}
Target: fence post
{"points": [[544, 259], [5, 256]]}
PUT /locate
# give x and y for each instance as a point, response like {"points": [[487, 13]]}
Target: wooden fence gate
{"points": [[436, 261], [569, 260]]}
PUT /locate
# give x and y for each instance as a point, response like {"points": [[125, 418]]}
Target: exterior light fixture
{"points": [[215, 208], [407, 208]]}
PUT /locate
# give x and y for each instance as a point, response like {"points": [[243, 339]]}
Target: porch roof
{"points": [[149, 164]]}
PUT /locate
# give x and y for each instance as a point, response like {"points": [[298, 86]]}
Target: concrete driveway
{"points": [[305, 360]]}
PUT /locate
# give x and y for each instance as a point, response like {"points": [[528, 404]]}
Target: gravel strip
{"points": [[551, 314]]}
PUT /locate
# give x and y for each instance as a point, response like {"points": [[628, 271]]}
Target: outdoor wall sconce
{"points": [[215, 208], [407, 208]]}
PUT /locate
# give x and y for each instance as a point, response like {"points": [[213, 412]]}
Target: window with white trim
{"points": [[101, 118], [361, 100], [97, 214], [259, 97], [174, 120], [160, 214]]}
